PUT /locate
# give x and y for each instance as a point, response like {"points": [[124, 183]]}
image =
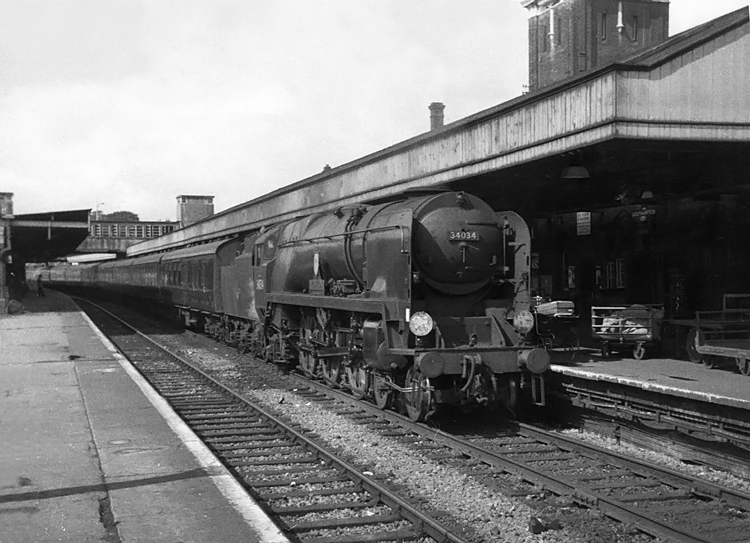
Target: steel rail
{"points": [[565, 486], [419, 520], [729, 496]]}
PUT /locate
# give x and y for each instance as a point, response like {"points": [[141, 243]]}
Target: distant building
{"points": [[191, 209], [569, 37], [108, 236]]}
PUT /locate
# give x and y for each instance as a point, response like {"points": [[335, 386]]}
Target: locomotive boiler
{"points": [[420, 302], [426, 298]]}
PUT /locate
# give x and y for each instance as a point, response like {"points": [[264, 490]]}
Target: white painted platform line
{"points": [[256, 518]]}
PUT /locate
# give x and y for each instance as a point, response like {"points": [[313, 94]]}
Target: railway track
{"points": [[658, 501], [314, 496]]}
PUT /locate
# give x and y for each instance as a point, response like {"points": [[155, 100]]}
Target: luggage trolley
{"points": [[556, 324], [722, 336], [636, 326]]}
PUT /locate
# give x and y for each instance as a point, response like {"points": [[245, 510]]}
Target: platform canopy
{"points": [[41, 237], [673, 119]]}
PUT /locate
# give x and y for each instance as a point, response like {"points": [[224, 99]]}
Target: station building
{"points": [[80, 235], [112, 236], [629, 157]]}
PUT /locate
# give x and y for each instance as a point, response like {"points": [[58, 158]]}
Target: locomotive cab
{"points": [[264, 252]]}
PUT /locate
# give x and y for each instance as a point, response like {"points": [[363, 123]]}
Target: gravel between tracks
{"points": [[491, 516], [702, 472], [455, 498]]}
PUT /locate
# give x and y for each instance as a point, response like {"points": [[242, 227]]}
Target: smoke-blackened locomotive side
{"points": [[427, 297]]}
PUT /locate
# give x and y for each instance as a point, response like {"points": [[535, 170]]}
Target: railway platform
{"points": [[680, 378], [89, 453]]}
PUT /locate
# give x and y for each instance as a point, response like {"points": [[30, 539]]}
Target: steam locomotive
{"points": [[422, 301]]}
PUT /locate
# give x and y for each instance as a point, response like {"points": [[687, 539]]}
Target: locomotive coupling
{"points": [[535, 360]]}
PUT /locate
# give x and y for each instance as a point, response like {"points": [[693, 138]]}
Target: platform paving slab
{"points": [[50, 482], [723, 386], [89, 454]]}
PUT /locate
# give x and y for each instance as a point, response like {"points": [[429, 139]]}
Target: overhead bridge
{"points": [[685, 98], [41, 237]]}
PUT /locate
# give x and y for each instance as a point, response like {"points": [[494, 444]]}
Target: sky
{"points": [[125, 104]]}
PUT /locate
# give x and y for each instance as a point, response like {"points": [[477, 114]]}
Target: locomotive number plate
{"points": [[463, 235]]}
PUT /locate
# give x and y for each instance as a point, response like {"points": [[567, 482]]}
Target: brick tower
{"points": [[569, 37]]}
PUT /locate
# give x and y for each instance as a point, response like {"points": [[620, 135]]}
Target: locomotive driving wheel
{"points": [[331, 369], [307, 363], [419, 397], [382, 392], [357, 379]]}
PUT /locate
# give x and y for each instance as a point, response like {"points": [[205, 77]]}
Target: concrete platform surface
{"points": [[721, 385], [90, 453]]}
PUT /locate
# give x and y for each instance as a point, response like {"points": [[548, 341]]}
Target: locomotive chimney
{"points": [[436, 115]]}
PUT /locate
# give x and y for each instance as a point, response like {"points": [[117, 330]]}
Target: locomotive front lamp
{"points": [[421, 324], [523, 321]]}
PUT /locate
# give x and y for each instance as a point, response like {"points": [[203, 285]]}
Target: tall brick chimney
{"points": [[191, 209], [436, 115]]}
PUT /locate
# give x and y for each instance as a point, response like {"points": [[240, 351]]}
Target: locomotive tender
{"points": [[425, 299]]}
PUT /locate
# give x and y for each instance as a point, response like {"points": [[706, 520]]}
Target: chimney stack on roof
{"points": [[193, 208], [436, 115]]}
